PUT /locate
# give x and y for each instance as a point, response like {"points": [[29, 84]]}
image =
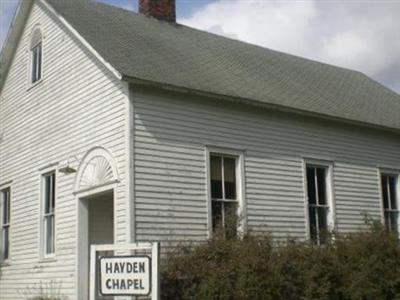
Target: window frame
{"points": [[37, 77], [329, 184], [44, 256], [30, 49], [240, 184], [3, 189], [396, 174]]}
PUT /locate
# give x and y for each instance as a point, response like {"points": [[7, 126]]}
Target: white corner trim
{"points": [[82, 40], [130, 172]]}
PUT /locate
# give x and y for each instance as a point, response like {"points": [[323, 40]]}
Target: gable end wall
{"points": [[78, 105]]}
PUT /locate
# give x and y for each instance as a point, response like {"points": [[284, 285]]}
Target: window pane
{"points": [[323, 218], [384, 183], [47, 193], [34, 64], [323, 224], [8, 212], [321, 186], [6, 206], [231, 219], [393, 220], [313, 223], [392, 191], [6, 243], [49, 223], [387, 220], [311, 185], [230, 177], [216, 215], [216, 177], [39, 61], [53, 191]]}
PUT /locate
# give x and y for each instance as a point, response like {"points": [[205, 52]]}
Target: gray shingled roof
{"points": [[169, 54]]}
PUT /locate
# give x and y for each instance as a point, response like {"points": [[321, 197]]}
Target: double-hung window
{"points": [[390, 201], [225, 193], [5, 224], [319, 202], [48, 217]]}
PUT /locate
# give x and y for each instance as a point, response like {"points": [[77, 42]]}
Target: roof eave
{"points": [[257, 103]]}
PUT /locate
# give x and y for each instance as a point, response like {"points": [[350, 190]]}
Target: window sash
{"points": [[317, 201], [5, 244], [48, 220], [222, 158], [49, 190], [36, 62], [389, 191], [319, 188], [5, 223], [49, 233], [318, 216], [6, 207], [224, 217], [390, 202]]}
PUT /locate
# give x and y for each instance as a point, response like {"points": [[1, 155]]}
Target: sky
{"points": [[360, 35]]}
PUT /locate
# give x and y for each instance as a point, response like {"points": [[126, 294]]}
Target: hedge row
{"points": [[362, 266]]}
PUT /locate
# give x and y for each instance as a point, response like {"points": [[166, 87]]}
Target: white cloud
{"points": [[359, 35]]}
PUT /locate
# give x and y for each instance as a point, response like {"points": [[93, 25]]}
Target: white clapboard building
{"points": [[118, 127]]}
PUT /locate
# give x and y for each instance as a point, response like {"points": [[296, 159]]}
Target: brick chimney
{"points": [[163, 10]]}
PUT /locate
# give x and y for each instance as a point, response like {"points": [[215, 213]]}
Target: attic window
{"points": [[36, 56]]}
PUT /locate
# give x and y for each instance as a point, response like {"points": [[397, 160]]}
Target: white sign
{"points": [[125, 275]]}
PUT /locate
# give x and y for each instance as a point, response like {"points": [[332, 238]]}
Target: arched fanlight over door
{"points": [[97, 169]]}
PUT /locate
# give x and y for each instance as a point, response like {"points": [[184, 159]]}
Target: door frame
{"points": [[82, 235]]}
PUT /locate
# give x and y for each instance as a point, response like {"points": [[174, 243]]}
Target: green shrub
{"points": [[359, 266]]}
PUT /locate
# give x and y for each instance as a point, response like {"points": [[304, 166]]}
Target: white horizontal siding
{"points": [[78, 105], [171, 134]]}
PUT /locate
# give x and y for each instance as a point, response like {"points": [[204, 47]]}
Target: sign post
{"points": [[125, 275]]}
